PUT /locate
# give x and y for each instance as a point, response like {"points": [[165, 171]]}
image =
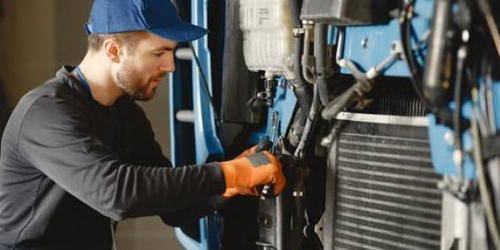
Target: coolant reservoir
{"points": [[267, 36]]}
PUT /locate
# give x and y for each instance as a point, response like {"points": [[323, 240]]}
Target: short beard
{"points": [[127, 81]]}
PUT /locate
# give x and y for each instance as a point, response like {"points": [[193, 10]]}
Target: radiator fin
{"points": [[386, 194]]}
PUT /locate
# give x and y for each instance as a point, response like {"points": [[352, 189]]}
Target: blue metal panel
{"points": [[332, 35], [496, 103], [369, 45], [284, 104], [185, 241], [442, 151], [208, 145], [177, 133], [178, 130], [207, 142], [172, 109]]}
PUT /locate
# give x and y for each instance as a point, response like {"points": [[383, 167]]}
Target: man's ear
{"points": [[112, 49]]}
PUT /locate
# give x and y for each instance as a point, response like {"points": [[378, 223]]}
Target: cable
{"points": [[204, 81], [481, 173], [489, 99], [487, 106], [413, 66], [461, 57], [112, 225], [405, 32], [490, 20]]}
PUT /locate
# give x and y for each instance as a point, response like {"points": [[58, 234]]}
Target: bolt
{"points": [[449, 138], [364, 42]]}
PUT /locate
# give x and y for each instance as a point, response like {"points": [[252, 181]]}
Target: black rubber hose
{"points": [[320, 30], [346, 99], [413, 67], [303, 91], [311, 116], [294, 7]]}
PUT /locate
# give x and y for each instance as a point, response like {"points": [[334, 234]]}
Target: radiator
{"points": [[382, 190]]}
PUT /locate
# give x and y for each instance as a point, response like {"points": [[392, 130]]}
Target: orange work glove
{"points": [[247, 172], [247, 152], [231, 192], [261, 146]]}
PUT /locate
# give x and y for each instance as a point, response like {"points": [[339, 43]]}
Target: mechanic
{"points": [[78, 153]]}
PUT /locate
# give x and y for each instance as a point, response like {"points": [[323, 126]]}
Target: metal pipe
{"points": [[310, 119], [346, 99], [307, 59], [433, 88], [346, 63]]}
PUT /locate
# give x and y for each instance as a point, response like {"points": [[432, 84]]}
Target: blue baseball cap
{"points": [[156, 16]]}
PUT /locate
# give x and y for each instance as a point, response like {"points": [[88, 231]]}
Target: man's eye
{"points": [[158, 54]]}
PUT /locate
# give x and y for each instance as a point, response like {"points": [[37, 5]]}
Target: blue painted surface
{"points": [[379, 38], [332, 35], [185, 241], [496, 103], [180, 133], [207, 145], [172, 110], [207, 142], [284, 103], [442, 152]]}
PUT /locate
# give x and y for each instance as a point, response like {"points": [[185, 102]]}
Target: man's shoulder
{"points": [[57, 89], [56, 97]]}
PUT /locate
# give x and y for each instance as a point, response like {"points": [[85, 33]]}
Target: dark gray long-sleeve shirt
{"points": [[69, 164]]}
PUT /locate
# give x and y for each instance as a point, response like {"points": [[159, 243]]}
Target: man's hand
{"points": [[231, 192], [261, 146], [247, 172]]}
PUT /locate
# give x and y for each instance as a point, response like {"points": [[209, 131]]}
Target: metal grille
{"points": [[395, 105], [385, 189]]}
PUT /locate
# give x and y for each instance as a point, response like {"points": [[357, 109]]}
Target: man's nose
{"points": [[168, 65]]}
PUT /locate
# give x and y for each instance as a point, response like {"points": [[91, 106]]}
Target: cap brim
{"points": [[180, 32]]}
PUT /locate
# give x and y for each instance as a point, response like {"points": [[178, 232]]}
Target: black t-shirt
{"points": [[68, 165]]}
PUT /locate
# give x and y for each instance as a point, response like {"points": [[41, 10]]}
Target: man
{"points": [[78, 153]]}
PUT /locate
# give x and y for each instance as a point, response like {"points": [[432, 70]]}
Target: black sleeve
{"points": [[58, 139], [146, 150], [142, 147], [187, 215]]}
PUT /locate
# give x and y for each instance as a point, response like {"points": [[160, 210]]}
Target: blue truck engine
{"points": [[389, 108]]}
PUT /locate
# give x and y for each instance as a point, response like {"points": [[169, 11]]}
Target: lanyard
{"points": [[116, 133]]}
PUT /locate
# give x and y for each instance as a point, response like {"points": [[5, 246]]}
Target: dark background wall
{"points": [[37, 37]]}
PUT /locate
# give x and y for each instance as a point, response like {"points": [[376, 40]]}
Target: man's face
{"points": [[144, 65]]}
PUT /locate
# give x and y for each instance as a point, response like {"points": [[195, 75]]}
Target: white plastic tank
{"points": [[267, 36]]}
